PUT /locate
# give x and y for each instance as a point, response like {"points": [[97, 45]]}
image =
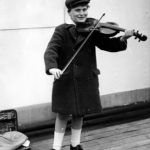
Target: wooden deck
{"points": [[128, 135]]}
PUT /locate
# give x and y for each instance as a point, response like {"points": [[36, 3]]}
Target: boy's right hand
{"points": [[56, 72]]}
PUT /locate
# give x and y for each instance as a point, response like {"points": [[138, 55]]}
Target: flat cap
{"points": [[73, 3]]}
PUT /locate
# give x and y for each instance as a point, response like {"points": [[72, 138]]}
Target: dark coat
{"points": [[77, 91]]}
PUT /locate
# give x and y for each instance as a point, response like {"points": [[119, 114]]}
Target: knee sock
{"points": [[58, 139], [76, 130], [75, 137], [60, 126]]}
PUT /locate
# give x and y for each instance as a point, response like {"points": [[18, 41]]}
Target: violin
{"points": [[108, 29]]}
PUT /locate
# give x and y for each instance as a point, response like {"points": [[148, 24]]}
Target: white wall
{"points": [[25, 29], [23, 41]]}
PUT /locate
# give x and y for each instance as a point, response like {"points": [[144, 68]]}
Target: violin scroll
{"points": [[139, 36]]}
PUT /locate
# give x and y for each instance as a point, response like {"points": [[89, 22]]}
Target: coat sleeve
{"points": [[52, 51], [110, 44]]}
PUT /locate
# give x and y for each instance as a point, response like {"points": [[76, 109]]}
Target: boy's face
{"points": [[79, 14]]}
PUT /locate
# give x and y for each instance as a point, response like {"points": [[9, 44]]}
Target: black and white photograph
{"points": [[74, 75]]}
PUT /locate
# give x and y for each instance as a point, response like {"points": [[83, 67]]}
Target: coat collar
{"points": [[72, 30], [76, 36]]}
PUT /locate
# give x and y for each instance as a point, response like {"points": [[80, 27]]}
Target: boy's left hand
{"points": [[127, 34]]}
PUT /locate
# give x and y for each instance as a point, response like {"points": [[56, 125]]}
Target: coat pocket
{"points": [[96, 72]]}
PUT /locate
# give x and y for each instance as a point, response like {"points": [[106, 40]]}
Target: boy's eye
{"points": [[78, 10], [85, 9]]}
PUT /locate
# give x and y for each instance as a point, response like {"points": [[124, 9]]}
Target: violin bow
{"points": [[81, 46]]}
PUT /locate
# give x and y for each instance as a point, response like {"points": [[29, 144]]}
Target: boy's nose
{"points": [[81, 12]]}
